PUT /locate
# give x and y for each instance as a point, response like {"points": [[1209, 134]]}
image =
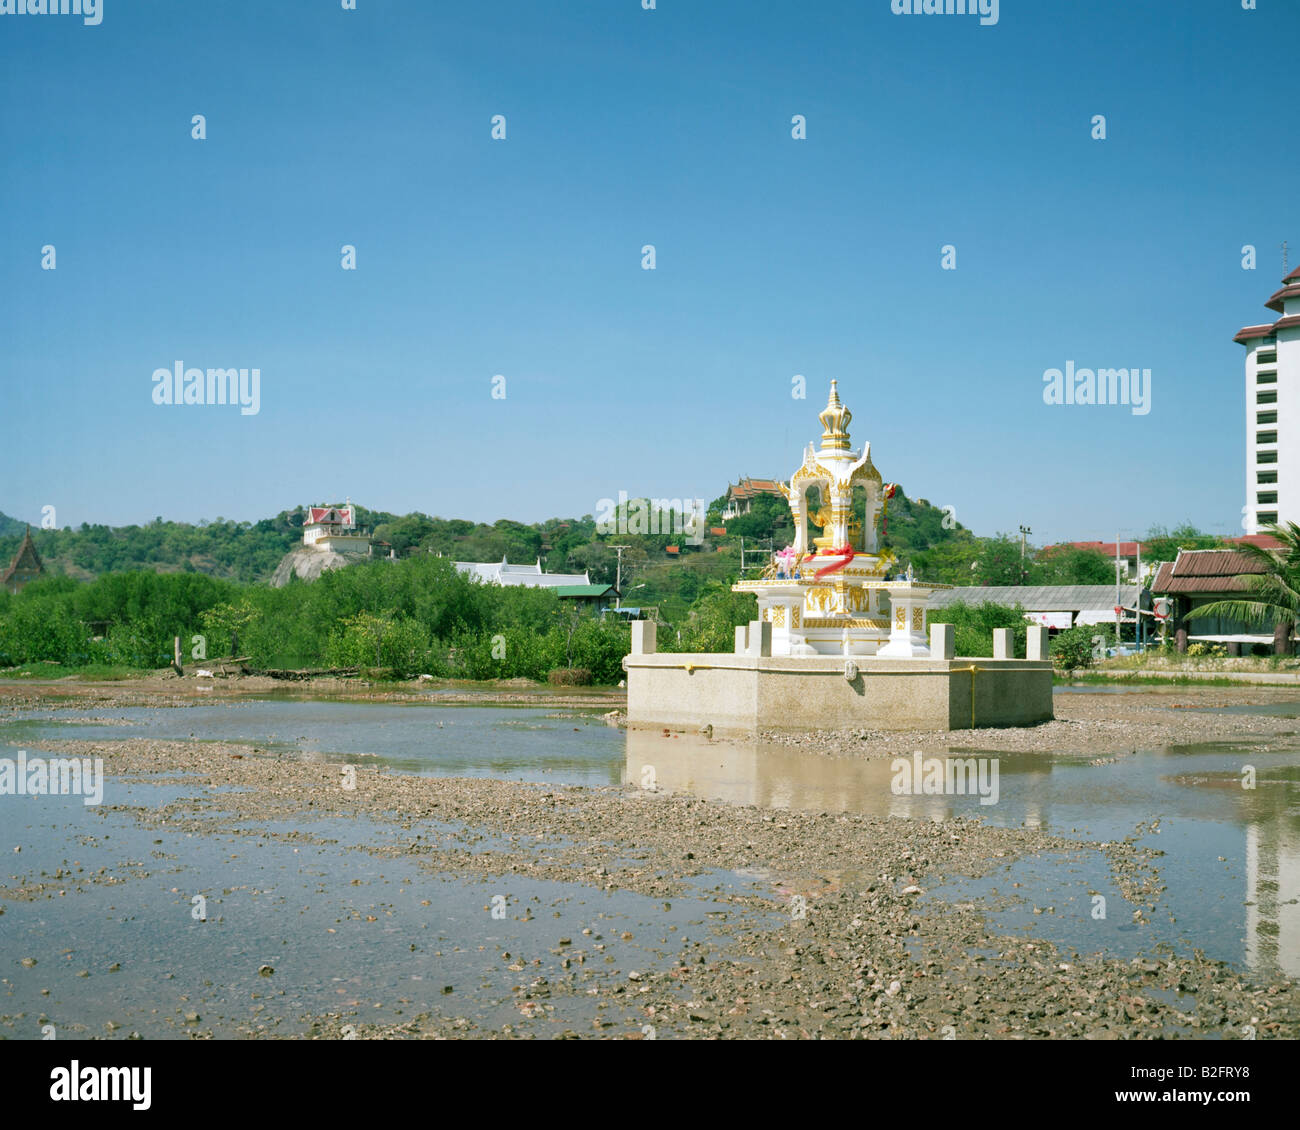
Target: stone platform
{"points": [[746, 693]]}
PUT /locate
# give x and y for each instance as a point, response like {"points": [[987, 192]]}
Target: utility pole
{"points": [[1118, 601], [618, 576], [1137, 600], [1024, 530]]}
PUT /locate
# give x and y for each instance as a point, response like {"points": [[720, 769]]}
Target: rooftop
{"points": [[1205, 570], [1040, 598]]}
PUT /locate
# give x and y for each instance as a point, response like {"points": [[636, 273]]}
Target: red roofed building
{"points": [[741, 496], [335, 527], [1273, 411]]}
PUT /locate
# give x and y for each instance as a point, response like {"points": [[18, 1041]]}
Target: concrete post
{"points": [[644, 641], [1004, 643], [1036, 643], [943, 641], [760, 638], [742, 639]]}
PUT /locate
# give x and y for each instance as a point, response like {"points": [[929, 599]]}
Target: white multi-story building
{"points": [[1273, 411]]}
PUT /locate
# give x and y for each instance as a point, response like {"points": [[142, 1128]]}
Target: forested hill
{"points": [[250, 551], [236, 550]]}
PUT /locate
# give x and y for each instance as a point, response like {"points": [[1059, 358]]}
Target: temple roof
{"points": [[26, 559], [334, 515]]}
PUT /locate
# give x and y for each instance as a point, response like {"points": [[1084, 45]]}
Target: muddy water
{"points": [[1231, 868], [522, 743], [125, 931], [341, 928]]}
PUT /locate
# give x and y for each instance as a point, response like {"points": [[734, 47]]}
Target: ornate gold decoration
{"points": [[849, 622], [778, 616], [918, 619], [794, 616], [835, 423], [819, 599], [900, 617]]}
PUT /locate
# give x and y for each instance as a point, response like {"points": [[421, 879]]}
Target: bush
{"points": [[569, 677], [1073, 648], [973, 626]]}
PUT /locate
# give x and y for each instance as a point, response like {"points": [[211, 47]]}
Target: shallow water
{"points": [[1231, 868], [1230, 872], [342, 931], [562, 746]]}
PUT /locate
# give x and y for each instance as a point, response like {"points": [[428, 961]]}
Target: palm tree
{"points": [[1274, 591]]}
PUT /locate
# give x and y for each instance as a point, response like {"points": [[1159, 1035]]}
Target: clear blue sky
{"points": [[523, 257]]}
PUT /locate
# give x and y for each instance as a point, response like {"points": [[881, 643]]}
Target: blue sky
{"points": [[522, 257]]}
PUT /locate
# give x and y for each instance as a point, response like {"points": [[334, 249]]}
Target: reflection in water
{"points": [[777, 776], [1231, 862], [1273, 895]]}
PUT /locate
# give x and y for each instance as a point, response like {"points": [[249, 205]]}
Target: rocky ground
{"points": [[867, 953]]}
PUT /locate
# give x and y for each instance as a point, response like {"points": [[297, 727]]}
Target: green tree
{"points": [[1163, 545], [229, 620], [973, 626], [999, 562], [1066, 565]]}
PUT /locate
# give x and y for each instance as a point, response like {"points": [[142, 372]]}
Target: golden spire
{"points": [[835, 423]]}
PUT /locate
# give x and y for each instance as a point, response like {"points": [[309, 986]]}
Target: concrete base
{"points": [[746, 693]]}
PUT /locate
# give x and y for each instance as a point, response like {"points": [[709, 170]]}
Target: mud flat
{"points": [[802, 924]]}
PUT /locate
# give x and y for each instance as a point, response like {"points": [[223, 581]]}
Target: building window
{"points": [[1266, 437], [1269, 397], [1266, 477], [1266, 498], [1268, 378], [1269, 519], [1269, 358], [1266, 456], [1266, 417]]}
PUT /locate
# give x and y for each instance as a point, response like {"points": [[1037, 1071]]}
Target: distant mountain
{"points": [[11, 527]]}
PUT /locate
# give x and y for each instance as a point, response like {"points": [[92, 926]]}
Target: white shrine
{"points": [[832, 594], [840, 640]]}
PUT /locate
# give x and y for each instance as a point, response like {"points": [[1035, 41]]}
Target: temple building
{"points": [[831, 594], [530, 576], [24, 568], [1273, 411], [335, 528], [740, 498], [841, 638]]}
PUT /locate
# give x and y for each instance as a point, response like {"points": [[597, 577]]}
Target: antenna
{"points": [[1285, 272]]}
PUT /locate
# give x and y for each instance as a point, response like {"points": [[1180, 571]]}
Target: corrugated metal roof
{"points": [[1215, 563], [1040, 598], [1205, 570], [1201, 584]]}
